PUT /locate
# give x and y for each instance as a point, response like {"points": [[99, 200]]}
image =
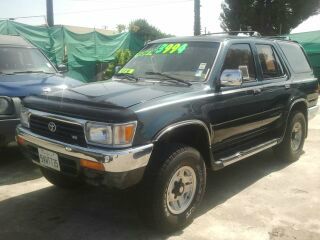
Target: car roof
{"points": [[218, 38], [16, 41]]}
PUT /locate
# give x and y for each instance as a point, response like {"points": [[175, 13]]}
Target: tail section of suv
{"points": [[179, 107]]}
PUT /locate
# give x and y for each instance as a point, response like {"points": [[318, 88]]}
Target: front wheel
{"points": [[176, 189], [292, 145]]}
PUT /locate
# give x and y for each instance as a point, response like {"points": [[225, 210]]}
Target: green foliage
{"points": [[146, 31], [269, 17], [121, 28], [121, 58]]}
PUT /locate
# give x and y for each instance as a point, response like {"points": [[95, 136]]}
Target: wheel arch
{"points": [[194, 133], [301, 105]]}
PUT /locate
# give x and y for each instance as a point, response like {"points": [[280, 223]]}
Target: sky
{"points": [[170, 16]]}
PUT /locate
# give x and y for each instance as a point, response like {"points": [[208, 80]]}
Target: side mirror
{"points": [[62, 68], [117, 69], [231, 78]]}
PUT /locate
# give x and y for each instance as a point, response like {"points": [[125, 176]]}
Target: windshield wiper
{"points": [[127, 76], [29, 71], [3, 73], [169, 77]]}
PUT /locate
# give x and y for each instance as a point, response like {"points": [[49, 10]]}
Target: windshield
{"points": [[188, 61], [19, 60]]}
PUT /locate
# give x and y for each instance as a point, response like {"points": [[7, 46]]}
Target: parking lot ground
{"points": [[255, 199]]}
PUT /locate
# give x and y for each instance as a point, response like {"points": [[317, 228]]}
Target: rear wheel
{"points": [[176, 189], [292, 145], [60, 180]]}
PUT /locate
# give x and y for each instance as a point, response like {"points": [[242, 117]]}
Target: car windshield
{"points": [[187, 61], [23, 60]]}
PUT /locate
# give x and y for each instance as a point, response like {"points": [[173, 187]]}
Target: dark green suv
{"points": [[179, 108]]}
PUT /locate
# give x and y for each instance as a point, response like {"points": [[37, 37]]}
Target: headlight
{"points": [[5, 106], [120, 135], [25, 117]]}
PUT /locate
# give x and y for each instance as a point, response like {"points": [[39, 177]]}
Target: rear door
{"points": [[276, 84]]}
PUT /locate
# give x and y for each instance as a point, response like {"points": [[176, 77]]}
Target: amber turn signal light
{"points": [[20, 140], [92, 165]]}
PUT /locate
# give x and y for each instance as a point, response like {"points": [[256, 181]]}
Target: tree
{"points": [[269, 17], [121, 58], [146, 31], [197, 21], [121, 28]]}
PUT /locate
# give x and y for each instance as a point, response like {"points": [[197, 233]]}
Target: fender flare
{"points": [[176, 125], [296, 101]]}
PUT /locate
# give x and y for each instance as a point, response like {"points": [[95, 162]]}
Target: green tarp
{"points": [[81, 52], [311, 43]]}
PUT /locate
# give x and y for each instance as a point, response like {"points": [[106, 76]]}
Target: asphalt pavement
{"points": [[258, 198]]}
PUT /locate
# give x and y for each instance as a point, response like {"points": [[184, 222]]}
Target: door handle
{"points": [[257, 91]]}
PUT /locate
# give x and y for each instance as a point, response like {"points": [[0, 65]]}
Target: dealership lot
{"points": [[258, 198]]}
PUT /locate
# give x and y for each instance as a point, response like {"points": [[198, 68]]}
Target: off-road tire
{"points": [[284, 151], [154, 205]]}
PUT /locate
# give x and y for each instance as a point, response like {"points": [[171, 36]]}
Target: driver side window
{"points": [[240, 57]]}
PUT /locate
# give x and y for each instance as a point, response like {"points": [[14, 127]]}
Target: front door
{"points": [[237, 115]]}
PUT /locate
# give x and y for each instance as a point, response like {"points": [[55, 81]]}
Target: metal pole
{"points": [[50, 20], [197, 24]]}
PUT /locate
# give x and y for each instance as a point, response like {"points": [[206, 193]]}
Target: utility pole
{"points": [[50, 20], [197, 24]]}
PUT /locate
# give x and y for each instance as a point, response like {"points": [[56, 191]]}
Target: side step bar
{"points": [[226, 161]]}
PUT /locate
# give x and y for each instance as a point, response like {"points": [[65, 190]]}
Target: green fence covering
{"points": [[311, 43], [81, 52]]}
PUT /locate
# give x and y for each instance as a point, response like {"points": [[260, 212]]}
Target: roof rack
{"points": [[278, 37], [234, 33]]}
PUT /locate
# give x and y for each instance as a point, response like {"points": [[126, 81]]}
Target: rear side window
{"points": [[269, 61], [295, 57]]}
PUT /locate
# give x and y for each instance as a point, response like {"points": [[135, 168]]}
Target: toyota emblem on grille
{"points": [[52, 127]]}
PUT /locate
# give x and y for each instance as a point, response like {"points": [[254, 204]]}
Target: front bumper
{"points": [[312, 112], [122, 167], [7, 130]]}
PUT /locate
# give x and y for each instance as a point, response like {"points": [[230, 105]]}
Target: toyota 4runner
{"points": [[180, 107]]}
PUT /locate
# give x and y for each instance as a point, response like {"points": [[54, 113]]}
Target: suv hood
{"points": [[21, 85], [101, 101], [113, 93]]}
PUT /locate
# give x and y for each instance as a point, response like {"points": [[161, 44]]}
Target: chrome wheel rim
{"points": [[181, 190], [296, 136]]}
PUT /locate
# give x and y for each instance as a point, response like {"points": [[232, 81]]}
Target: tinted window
{"points": [[240, 56], [269, 61], [295, 57], [18, 59]]}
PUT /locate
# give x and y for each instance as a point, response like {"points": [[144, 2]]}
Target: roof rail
{"points": [[279, 37], [251, 33]]}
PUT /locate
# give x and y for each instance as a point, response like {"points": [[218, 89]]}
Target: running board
{"points": [[226, 161]]}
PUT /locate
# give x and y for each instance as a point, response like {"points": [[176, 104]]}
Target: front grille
{"points": [[65, 132]]}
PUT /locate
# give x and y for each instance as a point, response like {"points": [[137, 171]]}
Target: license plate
{"points": [[49, 159]]}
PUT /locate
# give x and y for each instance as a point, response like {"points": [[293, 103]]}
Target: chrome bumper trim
{"points": [[123, 160], [312, 112]]}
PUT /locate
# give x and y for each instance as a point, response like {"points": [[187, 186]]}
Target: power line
{"points": [[13, 18], [115, 8]]}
